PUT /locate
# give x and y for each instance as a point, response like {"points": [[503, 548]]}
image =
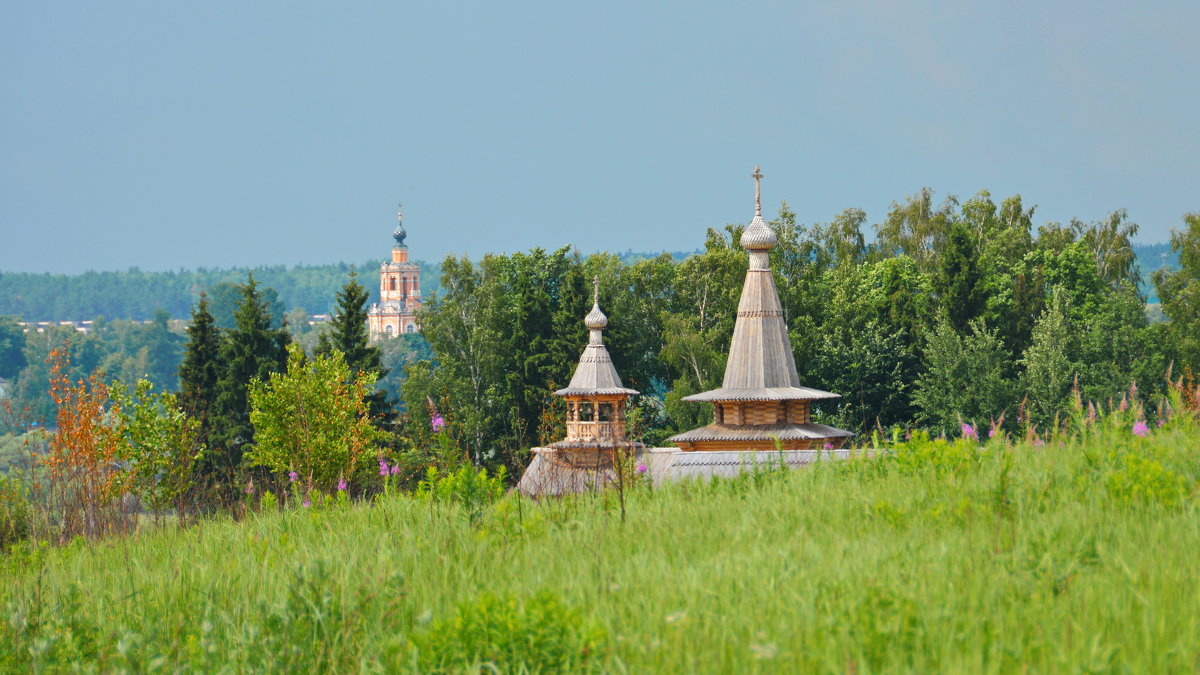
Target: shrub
{"points": [[1146, 481], [14, 513], [507, 635], [471, 489]]}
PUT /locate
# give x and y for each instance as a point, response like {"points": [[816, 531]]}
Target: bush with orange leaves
{"points": [[82, 477]]}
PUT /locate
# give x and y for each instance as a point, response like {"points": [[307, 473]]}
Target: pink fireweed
{"points": [[293, 476], [1140, 428], [395, 469], [968, 431], [383, 468], [437, 423], [641, 468], [828, 445], [307, 502], [342, 485]]}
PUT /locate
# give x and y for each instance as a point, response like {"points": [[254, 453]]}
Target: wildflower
{"points": [[383, 468], [293, 476], [1037, 442], [1140, 428], [342, 485], [992, 432], [395, 469], [968, 431], [828, 445], [641, 468], [307, 502], [1161, 422], [438, 423], [250, 488]]}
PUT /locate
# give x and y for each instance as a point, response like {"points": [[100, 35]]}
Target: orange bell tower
{"points": [[399, 291]]}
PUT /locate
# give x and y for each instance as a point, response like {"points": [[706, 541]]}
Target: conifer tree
{"points": [[252, 349], [348, 334], [200, 370], [956, 279]]}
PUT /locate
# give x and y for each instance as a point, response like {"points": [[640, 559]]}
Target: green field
{"points": [[1073, 555]]}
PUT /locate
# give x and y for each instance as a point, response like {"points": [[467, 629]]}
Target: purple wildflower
{"points": [[968, 431], [1140, 429], [342, 485], [306, 503], [992, 432], [828, 445], [438, 423], [293, 476], [395, 469], [1161, 422], [250, 488], [383, 468], [641, 468]]}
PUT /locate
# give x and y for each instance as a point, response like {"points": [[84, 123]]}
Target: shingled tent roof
{"points": [[760, 366], [595, 375]]}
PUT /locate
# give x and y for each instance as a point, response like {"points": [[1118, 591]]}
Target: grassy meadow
{"points": [[1069, 554]]}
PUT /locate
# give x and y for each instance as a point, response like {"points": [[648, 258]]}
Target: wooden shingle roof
{"points": [[760, 365], [595, 375]]}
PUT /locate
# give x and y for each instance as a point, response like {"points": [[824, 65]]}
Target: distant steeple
{"points": [[399, 234]]}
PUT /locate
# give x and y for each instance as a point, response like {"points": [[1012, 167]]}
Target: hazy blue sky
{"points": [[168, 134]]}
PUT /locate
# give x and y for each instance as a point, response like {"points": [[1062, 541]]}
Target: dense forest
{"points": [[950, 312], [136, 295]]}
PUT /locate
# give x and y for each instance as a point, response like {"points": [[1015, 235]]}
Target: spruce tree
{"points": [[957, 279], [252, 349], [348, 334], [200, 370]]}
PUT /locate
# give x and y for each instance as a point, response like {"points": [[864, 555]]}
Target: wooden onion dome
{"points": [[761, 399], [596, 399]]}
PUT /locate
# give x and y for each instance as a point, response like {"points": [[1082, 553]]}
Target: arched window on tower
{"points": [[392, 283]]}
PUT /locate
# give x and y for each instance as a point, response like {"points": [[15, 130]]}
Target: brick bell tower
{"points": [[399, 291]]}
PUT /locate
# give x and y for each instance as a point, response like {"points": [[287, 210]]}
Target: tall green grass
{"points": [[1076, 555]]}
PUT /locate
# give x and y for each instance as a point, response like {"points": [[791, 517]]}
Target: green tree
{"points": [[1180, 293], [956, 280], [965, 377], [348, 334], [163, 445], [200, 372], [255, 348], [12, 347], [313, 419], [1048, 368]]}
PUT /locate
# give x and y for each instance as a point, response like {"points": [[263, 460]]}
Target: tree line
{"points": [[955, 312], [137, 294]]}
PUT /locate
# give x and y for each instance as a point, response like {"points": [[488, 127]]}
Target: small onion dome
{"points": [[595, 318], [399, 234], [758, 236]]}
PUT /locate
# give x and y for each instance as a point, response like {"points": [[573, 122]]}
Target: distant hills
{"points": [[137, 294]]}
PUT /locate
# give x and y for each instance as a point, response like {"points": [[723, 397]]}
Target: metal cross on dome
{"points": [[757, 176], [596, 290]]}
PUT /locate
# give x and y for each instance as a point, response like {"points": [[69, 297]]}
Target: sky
{"points": [[169, 135]]}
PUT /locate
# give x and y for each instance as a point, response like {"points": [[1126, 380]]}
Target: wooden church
{"points": [[762, 415]]}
